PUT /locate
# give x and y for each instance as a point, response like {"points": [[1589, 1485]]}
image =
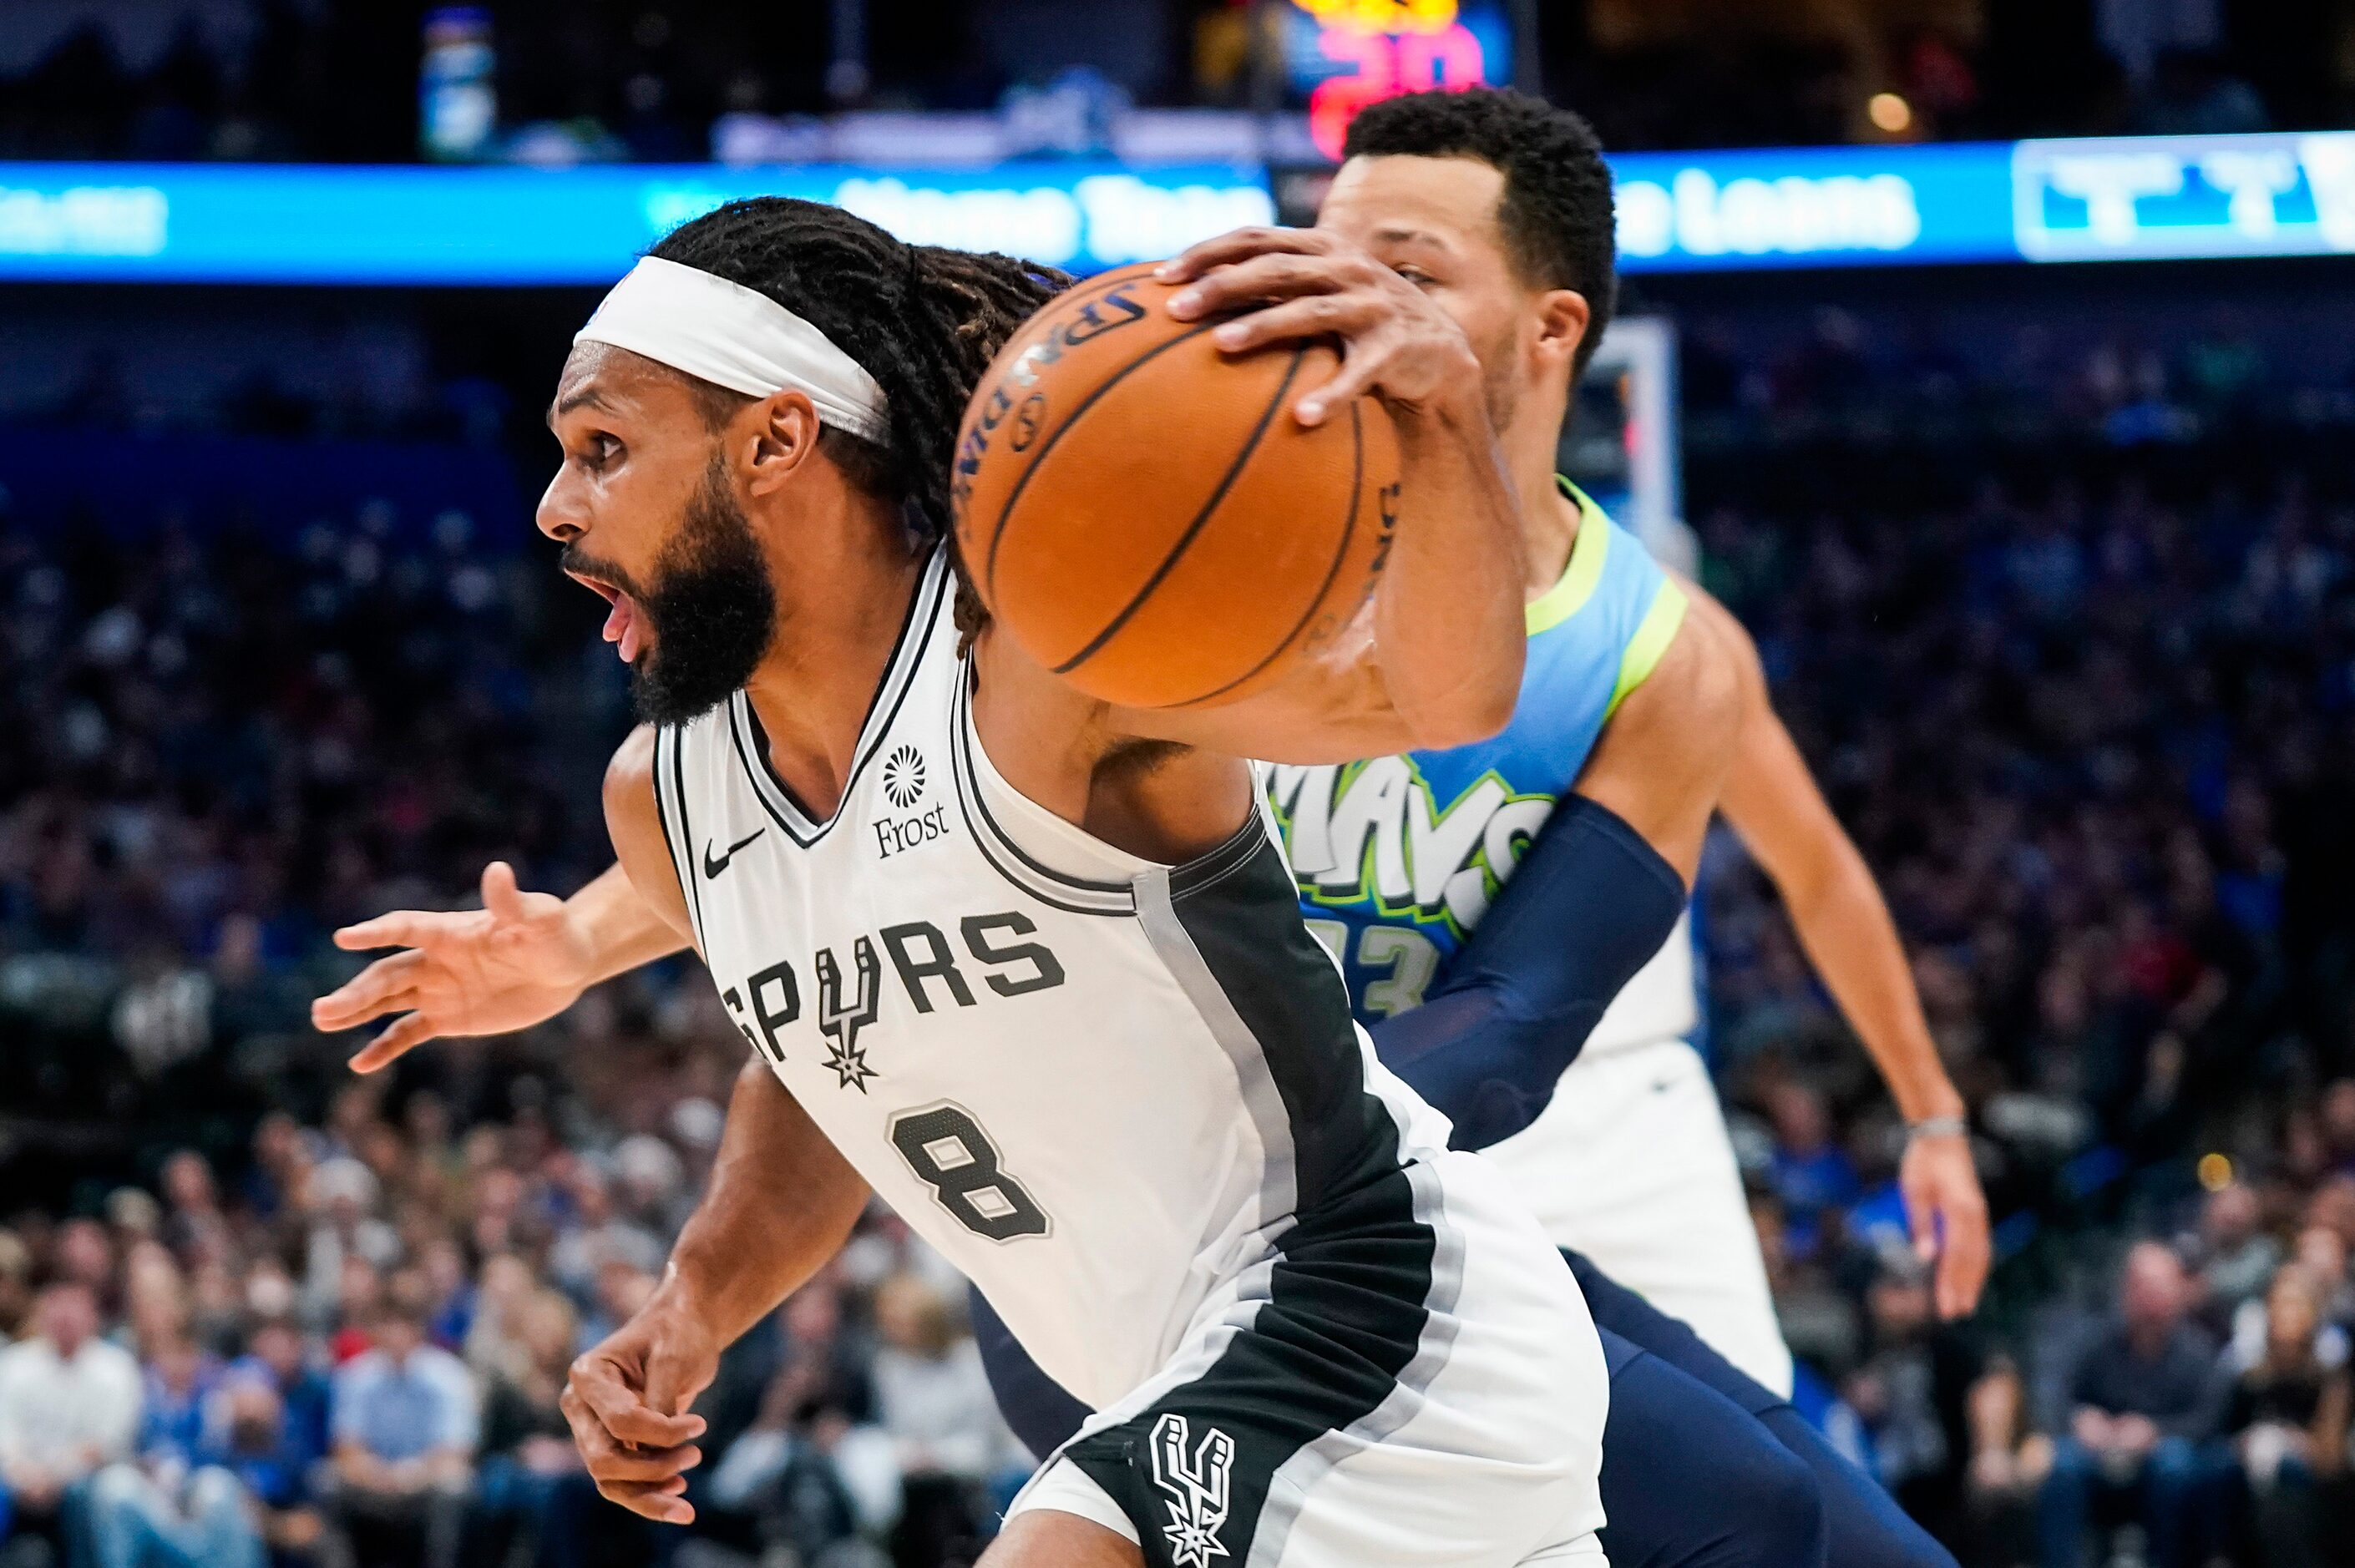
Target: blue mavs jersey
{"points": [[1398, 857]]}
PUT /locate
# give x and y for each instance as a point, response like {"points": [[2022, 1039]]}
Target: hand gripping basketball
{"points": [[1303, 283], [1166, 521]]}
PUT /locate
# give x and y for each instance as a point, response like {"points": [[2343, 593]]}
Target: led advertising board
{"points": [[280, 224], [2112, 199]]}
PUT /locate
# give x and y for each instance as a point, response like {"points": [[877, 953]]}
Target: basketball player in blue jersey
{"points": [[1498, 905], [1628, 1163], [1460, 193]]}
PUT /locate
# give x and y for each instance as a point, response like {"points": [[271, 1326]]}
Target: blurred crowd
{"points": [[255, 1309], [228, 744], [625, 79], [2081, 685], [2069, 633], [352, 1352]]}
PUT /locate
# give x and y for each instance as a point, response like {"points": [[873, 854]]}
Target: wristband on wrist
{"points": [[1938, 1127]]}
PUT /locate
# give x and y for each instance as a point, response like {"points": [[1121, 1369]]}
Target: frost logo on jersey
{"points": [[903, 786], [1373, 833], [1196, 1485], [840, 1024], [903, 777]]}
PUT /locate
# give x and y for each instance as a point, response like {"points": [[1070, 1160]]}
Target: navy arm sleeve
{"points": [[1587, 905]]}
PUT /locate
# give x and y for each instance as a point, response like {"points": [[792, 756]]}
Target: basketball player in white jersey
{"points": [[1028, 967]]}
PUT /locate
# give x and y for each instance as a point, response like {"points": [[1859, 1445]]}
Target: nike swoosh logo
{"points": [[713, 866]]}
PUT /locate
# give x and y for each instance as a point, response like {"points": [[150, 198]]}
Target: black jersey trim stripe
{"points": [[1037, 876], [1009, 859], [1244, 918], [986, 840], [1296, 1477], [1156, 911], [999, 847], [1210, 867], [1317, 1368], [1365, 1277], [684, 851], [916, 633], [899, 672], [663, 741]]}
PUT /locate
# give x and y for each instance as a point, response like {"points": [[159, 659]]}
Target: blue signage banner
{"points": [[309, 224], [2112, 199], [1814, 206], [2108, 199]]}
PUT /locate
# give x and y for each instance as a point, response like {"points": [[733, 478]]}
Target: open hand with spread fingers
{"points": [[519, 960]]}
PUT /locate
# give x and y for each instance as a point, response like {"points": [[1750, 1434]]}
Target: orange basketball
{"points": [[1146, 515]]}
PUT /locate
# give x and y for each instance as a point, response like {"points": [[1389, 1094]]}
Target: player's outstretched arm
{"points": [[523, 957], [1439, 662], [1843, 923], [780, 1202]]}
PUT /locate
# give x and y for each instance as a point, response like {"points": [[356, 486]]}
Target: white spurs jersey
{"points": [[1103, 1087]]}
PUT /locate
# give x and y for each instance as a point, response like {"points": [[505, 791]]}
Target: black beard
{"points": [[710, 615]]}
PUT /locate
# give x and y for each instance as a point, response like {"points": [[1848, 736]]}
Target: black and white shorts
{"points": [[1413, 1380]]}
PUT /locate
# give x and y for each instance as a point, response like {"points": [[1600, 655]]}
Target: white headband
{"points": [[733, 337]]}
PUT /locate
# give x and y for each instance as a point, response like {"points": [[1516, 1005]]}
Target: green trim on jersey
{"points": [[1646, 649], [1587, 552], [1397, 858]]}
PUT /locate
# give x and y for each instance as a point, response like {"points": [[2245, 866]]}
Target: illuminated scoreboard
{"points": [[1346, 54]]}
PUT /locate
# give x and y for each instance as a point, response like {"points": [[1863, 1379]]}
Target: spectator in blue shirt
{"points": [[171, 1507], [252, 1438], [176, 1381], [277, 1357], [405, 1427], [1811, 1174]]}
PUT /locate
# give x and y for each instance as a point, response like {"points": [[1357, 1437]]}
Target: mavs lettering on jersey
{"points": [[1398, 857]]}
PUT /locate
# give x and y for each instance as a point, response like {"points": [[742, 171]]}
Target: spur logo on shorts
{"points": [[1195, 1476]]}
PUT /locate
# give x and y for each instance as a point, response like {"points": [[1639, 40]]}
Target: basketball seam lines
{"points": [[1014, 497], [1201, 520], [1340, 554]]}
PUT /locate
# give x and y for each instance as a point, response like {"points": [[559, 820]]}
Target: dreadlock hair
{"points": [[1556, 212], [924, 321]]}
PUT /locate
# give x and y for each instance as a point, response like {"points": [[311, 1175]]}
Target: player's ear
{"points": [[784, 437], [1563, 320]]}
